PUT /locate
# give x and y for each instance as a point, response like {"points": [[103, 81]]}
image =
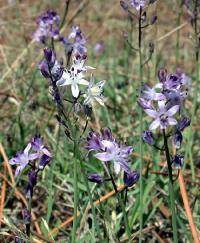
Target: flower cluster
{"points": [[164, 103], [48, 27], [165, 99], [135, 4], [37, 156], [109, 150], [73, 76], [75, 43]]}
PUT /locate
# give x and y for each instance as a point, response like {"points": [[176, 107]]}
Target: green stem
{"points": [[121, 203], [96, 226], [171, 189], [75, 193], [141, 124]]}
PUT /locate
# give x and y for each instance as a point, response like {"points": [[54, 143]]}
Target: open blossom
{"points": [[34, 150], [163, 117], [39, 147], [22, 159], [94, 92], [109, 150], [73, 78]]}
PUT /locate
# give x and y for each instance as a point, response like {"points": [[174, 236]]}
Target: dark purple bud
{"points": [[26, 216], [154, 19], [106, 134], [32, 181], [124, 5], [131, 178], [44, 69], [44, 161], [178, 138], [178, 161], [49, 56], [95, 178], [183, 123], [147, 137], [162, 74]]}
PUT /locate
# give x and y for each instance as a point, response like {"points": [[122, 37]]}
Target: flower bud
{"points": [[131, 178], [183, 123], [162, 74], [49, 56], [178, 138], [147, 137], [178, 161], [96, 178], [124, 5], [44, 69]]}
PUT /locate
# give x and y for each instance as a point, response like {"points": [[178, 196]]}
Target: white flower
{"points": [[94, 92], [73, 78], [78, 65]]}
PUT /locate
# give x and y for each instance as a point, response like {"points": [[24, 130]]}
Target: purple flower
{"points": [[22, 159], [178, 161], [47, 27], [117, 153], [39, 147], [147, 137], [137, 4], [163, 117], [131, 178], [95, 178], [109, 150]]}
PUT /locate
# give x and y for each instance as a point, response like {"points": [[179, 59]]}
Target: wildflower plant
{"points": [[33, 159], [164, 104]]}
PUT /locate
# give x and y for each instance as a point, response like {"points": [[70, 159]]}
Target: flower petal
{"points": [[104, 156], [117, 167], [172, 110], [172, 121], [151, 113], [83, 81], [154, 124], [75, 90]]}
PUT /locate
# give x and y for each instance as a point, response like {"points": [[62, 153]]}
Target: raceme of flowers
{"points": [[165, 100], [108, 150], [164, 104], [48, 27]]}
